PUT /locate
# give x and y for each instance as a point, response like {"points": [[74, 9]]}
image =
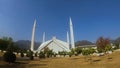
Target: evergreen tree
{"points": [[9, 56], [30, 53]]}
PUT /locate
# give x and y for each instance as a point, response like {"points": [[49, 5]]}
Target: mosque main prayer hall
{"points": [[55, 44]]}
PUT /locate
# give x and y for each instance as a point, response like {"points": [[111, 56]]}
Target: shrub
{"points": [[30, 55], [54, 54], [86, 52], [9, 57], [100, 50], [78, 50], [73, 51], [36, 54], [49, 53], [27, 55], [70, 54], [117, 46], [64, 53], [22, 55], [60, 53], [108, 48], [41, 55], [92, 50]]}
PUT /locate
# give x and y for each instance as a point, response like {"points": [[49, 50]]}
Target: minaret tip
{"points": [[43, 37], [67, 37], [70, 21]]}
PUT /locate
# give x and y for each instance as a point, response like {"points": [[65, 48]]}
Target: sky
{"points": [[91, 19]]}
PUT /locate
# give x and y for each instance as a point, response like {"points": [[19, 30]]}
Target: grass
{"points": [[108, 61]]}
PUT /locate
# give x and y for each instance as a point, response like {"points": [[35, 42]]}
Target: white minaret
{"points": [[71, 34], [33, 36], [68, 38], [43, 37]]}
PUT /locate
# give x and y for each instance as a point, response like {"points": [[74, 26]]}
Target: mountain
{"points": [[83, 42], [25, 44], [116, 40]]}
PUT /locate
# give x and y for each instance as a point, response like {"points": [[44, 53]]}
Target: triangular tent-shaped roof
{"points": [[54, 44]]}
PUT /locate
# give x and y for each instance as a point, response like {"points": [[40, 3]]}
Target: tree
{"points": [[102, 43], [3, 44], [7, 38], [9, 56], [31, 55]]}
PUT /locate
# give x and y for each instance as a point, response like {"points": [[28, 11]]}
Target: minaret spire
{"points": [[33, 36], [43, 37], [71, 34], [68, 38]]}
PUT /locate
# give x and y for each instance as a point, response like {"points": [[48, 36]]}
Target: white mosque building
{"points": [[55, 44]]}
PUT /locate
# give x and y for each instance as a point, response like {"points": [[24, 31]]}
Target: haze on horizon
{"points": [[91, 18]]}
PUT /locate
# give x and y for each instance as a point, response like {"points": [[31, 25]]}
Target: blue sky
{"points": [[91, 18]]}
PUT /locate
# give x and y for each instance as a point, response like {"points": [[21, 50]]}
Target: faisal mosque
{"points": [[55, 44]]}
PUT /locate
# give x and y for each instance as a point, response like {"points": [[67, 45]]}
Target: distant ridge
{"points": [[83, 43], [116, 40], [25, 44]]}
